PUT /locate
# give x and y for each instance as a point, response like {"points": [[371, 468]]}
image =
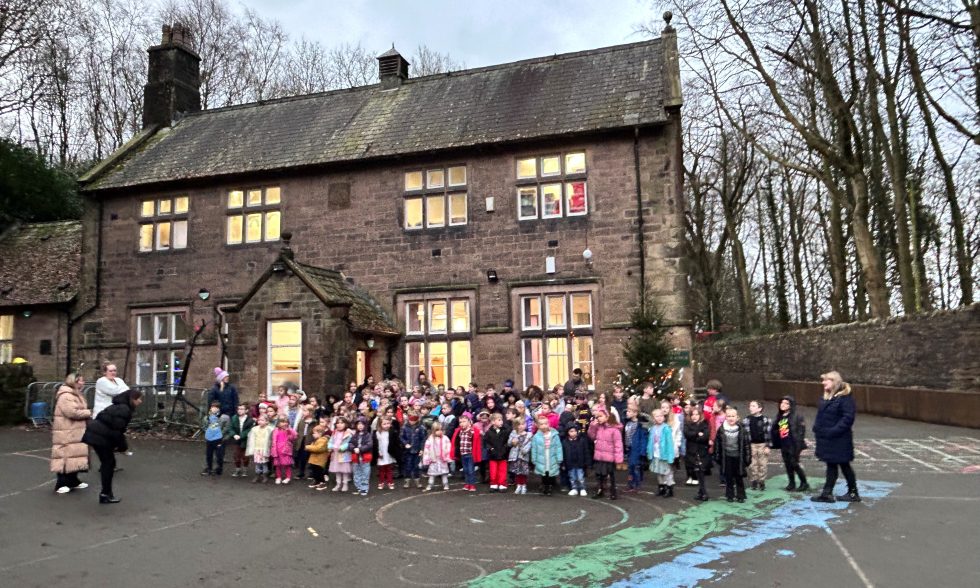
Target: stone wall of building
{"points": [[936, 351], [350, 218]]}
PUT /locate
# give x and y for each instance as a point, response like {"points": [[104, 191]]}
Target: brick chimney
{"points": [[174, 78], [392, 68]]}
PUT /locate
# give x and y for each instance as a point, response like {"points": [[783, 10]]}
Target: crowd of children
{"points": [[501, 438]]}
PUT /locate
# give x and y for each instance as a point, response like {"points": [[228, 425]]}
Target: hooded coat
{"points": [[796, 429], [69, 454], [833, 426], [608, 442], [108, 430]]}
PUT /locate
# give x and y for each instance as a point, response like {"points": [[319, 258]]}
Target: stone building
{"points": [[39, 282], [492, 223]]}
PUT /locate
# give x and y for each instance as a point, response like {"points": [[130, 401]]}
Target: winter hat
{"points": [[219, 374], [508, 383], [468, 415]]}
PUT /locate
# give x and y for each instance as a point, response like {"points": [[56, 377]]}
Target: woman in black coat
{"points": [[833, 429], [106, 434]]}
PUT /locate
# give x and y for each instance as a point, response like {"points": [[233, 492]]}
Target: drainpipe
{"points": [[98, 287], [639, 217]]}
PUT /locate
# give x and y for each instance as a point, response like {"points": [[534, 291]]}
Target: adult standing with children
{"points": [[106, 388], [69, 455], [224, 393], [107, 435], [833, 429]]}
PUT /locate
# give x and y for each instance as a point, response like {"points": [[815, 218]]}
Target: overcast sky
{"points": [[476, 32]]}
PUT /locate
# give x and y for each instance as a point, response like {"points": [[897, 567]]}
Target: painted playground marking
{"points": [[732, 528]]}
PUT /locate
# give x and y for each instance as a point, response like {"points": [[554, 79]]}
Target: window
{"points": [[254, 215], [552, 186], [160, 340], [285, 354], [6, 338], [556, 337], [163, 224], [435, 198], [437, 333]]}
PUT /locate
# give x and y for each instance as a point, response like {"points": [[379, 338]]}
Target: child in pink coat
{"points": [[606, 434], [282, 451]]}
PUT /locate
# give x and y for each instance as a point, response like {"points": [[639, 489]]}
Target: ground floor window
{"points": [[160, 341], [444, 362], [556, 336], [285, 354], [6, 338]]}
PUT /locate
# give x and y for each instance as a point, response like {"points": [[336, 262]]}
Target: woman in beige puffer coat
{"points": [[68, 454]]}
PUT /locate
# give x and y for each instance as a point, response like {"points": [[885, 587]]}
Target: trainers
{"points": [[286, 481], [381, 486], [321, 487], [363, 492], [206, 472], [63, 490], [418, 483], [408, 483], [81, 486], [391, 486], [428, 488], [313, 485], [278, 480], [849, 497], [445, 487], [573, 492]]}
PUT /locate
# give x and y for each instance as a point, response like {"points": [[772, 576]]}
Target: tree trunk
{"points": [[871, 265], [782, 303]]}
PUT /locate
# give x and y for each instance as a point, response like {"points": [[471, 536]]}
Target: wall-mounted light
{"points": [[203, 294], [27, 313], [370, 343], [587, 256], [492, 276]]}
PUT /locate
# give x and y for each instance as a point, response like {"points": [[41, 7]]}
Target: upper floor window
{"points": [[6, 338], [163, 223], [552, 186], [254, 215], [435, 198]]}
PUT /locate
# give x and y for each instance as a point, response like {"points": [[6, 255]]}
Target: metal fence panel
{"points": [[170, 404]]}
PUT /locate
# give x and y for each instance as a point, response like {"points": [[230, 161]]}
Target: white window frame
{"points": [[570, 332], [567, 196], [449, 208], [537, 203], [571, 310], [7, 340], [170, 346], [264, 210], [546, 312], [428, 336], [268, 356], [524, 316]]}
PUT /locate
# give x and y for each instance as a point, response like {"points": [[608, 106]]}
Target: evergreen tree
{"points": [[646, 353], [33, 191]]}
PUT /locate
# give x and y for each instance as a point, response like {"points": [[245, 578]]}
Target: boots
{"points": [[823, 497], [662, 490], [850, 496], [601, 491], [701, 496], [804, 487], [668, 492]]}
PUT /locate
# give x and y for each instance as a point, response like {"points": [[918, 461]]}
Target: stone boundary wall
{"points": [[938, 351], [941, 407]]}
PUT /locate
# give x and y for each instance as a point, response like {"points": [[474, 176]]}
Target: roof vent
{"points": [[392, 68]]}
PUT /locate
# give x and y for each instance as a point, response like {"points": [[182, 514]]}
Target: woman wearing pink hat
{"points": [[224, 393]]}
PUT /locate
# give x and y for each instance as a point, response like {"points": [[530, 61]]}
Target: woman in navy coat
{"points": [[833, 429]]}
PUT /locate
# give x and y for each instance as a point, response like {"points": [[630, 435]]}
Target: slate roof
{"points": [[332, 288], [601, 89], [40, 263]]}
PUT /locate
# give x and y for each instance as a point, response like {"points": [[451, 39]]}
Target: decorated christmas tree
{"points": [[647, 353]]}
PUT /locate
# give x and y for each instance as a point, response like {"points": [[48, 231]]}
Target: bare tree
{"points": [[426, 62]]}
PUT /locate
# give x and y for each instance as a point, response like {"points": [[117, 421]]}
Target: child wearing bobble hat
{"points": [[224, 393]]}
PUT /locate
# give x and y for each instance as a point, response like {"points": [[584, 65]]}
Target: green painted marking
{"points": [[598, 561]]}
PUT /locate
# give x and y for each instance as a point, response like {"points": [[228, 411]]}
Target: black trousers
{"points": [[734, 483], [216, 449], [828, 486], [71, 480], [791, 460], [107, 459]]}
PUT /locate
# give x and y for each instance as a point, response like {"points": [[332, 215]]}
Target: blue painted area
{"points": [[684, 570], [785, 553]]}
